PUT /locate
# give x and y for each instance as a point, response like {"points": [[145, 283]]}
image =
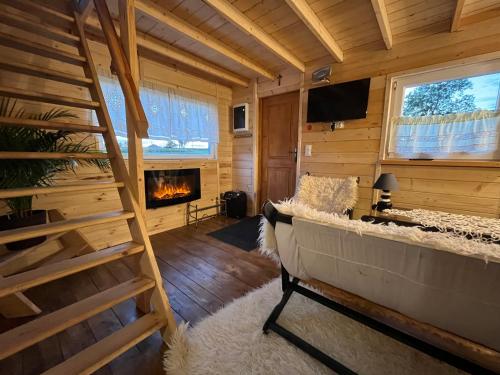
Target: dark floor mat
{"points": [[243, 234]]}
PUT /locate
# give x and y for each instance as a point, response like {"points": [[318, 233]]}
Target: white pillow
{"points": [[328, 194]]}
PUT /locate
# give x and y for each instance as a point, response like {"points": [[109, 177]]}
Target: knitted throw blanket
{"points": [[475, 228]]}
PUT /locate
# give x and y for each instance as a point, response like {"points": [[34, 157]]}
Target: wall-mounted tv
{"points": [[339, 102]]}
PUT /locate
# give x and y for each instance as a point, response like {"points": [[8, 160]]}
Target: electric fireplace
{"points": [[170, 187]]}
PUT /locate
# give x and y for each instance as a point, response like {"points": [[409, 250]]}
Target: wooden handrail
{"points": [[122, 68]]}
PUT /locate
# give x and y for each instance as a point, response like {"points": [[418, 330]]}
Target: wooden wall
{"points": [[216, 175], [354, 150], [244, 158]]}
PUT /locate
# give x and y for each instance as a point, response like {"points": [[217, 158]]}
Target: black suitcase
{"points": [[236, 204]]}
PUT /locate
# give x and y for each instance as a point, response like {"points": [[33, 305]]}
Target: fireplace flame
{"points": [[169, 191]]}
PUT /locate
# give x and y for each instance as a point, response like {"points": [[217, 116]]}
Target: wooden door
{"points": [[279, 132]]}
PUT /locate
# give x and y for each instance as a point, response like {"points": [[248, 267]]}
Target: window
{"points": [[451, 113], [181, 125]]}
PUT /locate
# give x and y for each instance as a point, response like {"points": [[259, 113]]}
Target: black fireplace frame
{"points": [[196, 194]]}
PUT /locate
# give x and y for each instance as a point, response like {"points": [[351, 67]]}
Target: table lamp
{"points": [[386, 182]]}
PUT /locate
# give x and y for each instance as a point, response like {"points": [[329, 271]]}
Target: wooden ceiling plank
{"points": [[151, 44], [169, 19], [457, 16], [312, 21], [240, 20], [383, 21]]}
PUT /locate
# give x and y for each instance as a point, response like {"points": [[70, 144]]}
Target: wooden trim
{"points": [[171, 20], [303, 97], [128, 35], [164, 50], [256, 147], [313, 23], [240, 20], [122, 68], [96, 356], [383, 21], [444, 163], [457, 15], [48, 325]]}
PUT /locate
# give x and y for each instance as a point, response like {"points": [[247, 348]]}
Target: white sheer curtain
{"points": [[172, 114], [468, 135]]}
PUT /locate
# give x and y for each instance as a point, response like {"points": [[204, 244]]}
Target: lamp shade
{"points": [[386, 181]]}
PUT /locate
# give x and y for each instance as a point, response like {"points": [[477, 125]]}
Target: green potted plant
{"points": [[22, 173]]}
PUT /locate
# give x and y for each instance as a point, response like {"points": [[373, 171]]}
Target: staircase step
{"points": [[52, 125], [38, 28], [63, 226], [23, 192], [41, 50], [37, 71], [44, 12], [52, 155], [96, 356], [48, 98], [54, 271], [37, 330]]}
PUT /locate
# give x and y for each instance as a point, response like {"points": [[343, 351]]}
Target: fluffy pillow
{"points": [[327, 194]]}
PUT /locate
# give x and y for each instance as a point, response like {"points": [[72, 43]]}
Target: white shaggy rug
{"points": [[231, 342]]}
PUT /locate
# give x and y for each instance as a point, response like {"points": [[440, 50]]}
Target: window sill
{"points": [[443, 163]]}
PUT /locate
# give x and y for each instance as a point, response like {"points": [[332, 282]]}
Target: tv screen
{"points": [[342, 101]]}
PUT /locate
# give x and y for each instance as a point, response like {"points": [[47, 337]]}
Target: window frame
{"points": [[395, 83], [213, 147], [212, 155]]}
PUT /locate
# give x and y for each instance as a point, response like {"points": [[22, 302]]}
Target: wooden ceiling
{"points": [[353, 25]]}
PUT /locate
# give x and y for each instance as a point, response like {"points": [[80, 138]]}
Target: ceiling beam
{"points": [[163, 49], [383, 21], [457, 16], [311, 20], [240, 20], [480, 17], [169, 19]]}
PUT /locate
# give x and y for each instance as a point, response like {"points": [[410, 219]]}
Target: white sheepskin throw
{"points": [[333, 195], [267, 240], [440, 241], [231, 342]]}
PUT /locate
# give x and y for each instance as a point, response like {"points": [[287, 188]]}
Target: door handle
{"points": [[294, 152]]}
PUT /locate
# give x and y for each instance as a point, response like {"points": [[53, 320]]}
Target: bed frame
{"points": [[291, 285]]}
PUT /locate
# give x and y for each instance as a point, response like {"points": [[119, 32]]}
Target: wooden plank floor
{"points": [[200, 273]]}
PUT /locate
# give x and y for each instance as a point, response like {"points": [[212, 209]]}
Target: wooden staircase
{"points": [[67, 29]]}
